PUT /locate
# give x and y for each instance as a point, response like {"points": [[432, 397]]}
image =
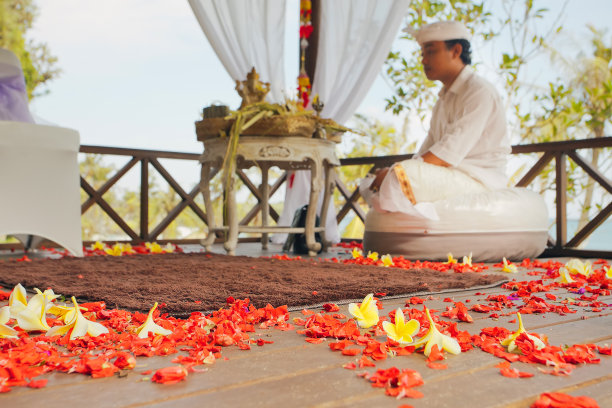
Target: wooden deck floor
{"points": [[292, 372]]}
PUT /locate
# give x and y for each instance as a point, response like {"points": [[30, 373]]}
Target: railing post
{"points": [[561, 198], [144, 198]]}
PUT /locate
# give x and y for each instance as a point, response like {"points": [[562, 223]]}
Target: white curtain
{"points": [[246, 34], [354, 39]]}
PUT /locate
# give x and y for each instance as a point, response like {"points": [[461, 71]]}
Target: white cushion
{"points": [[511, 222]]}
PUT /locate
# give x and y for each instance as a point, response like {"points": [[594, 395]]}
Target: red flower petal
{"points": [[169, 375], [560, 400], [38, 383]]}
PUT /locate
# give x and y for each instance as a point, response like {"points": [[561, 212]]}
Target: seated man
{"points": [[467, 145]]}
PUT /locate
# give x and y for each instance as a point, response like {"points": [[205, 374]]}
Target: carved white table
{"points": [[287, 153]]}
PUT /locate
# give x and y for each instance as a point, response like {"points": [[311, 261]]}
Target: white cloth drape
{"points": [[354, 39], [247, 34]]}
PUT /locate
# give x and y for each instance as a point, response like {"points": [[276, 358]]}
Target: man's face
{"points": [[437, 60]]}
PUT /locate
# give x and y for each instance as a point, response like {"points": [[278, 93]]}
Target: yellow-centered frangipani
{"points": [[509, 341], [508, 267], [115, 250], [564, 276], [373, 255], [18, 300], [366, 314], [451, 260], [6, 331], [79, 324], [609, 273], [66, 313], [154, 247], [577, 267], [119, 249], [467, 260], [401, 332], [357, 253], [433, 336], [34, 316], [98, 246], [387, 260], [149, 326]]}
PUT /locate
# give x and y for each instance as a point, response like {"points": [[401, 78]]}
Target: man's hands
{"points": [[428, 157], [380, 176]]}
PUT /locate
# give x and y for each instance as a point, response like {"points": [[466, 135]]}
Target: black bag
{"points": [[298, 241]]}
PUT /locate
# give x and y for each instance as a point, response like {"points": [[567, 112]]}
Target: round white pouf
{"points": [[512, 222]]}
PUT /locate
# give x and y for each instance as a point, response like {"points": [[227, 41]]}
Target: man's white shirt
{"points": [[468, 130]]}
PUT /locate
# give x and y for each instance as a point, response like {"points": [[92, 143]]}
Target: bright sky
{"points": [[137, 73]]}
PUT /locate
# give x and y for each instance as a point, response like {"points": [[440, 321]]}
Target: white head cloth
{"points": [[440, 31], [13, 94]]}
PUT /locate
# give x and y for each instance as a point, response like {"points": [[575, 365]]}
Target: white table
{"points": [[287, 153]]}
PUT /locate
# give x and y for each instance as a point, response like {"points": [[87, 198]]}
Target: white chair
{"points": [[39, 173], [39, 183]]}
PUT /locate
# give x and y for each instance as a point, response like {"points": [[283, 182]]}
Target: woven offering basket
{"points": [[282, 126], [272, 126]]}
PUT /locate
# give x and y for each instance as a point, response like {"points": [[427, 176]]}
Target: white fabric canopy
{"points": [[247, 34], [354, 39]]}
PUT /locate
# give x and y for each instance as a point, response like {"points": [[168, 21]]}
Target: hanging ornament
{"points": [[304, 85]]}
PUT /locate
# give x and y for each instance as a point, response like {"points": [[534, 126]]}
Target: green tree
{"points": [[579, 105], [39, 66]]}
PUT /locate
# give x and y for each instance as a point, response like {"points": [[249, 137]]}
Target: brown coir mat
{"points": [[202, 282]]}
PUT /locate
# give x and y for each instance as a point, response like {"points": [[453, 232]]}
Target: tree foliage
{"points": [[39, 66]]}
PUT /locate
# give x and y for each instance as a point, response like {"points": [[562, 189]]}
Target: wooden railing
{"points": [[558, 152]]}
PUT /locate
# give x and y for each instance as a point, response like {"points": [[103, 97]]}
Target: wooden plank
{"points": [[186, 200], [109, 210], [561, 194], [351, 202], [172, 214], [591, 171], [258, 195], [563, 146], [313, 41], [144, 199], [590, 226], [109, 183], [380, 161], [535, 170], [138, 153]]}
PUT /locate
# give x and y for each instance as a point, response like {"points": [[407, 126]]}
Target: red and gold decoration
{"points": [[304, 85]]}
